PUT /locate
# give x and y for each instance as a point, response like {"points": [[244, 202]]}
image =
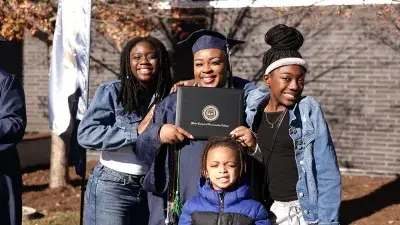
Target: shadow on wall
{"points": [[385, 196]]}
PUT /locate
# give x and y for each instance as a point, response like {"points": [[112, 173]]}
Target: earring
{"points": [[127, 77]]}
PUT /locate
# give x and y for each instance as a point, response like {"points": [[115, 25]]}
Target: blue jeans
{"points": [[115, 198]]}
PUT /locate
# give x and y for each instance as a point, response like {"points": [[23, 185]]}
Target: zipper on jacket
{"points": [[221, 206]]}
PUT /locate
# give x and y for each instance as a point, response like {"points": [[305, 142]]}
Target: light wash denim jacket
{"points": [[319, 185], [104, 125]]}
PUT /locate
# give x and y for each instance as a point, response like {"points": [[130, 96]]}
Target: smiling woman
{"points": [[155, 146], [301, 178], [114, 193], [144, 63], [210, 67]]}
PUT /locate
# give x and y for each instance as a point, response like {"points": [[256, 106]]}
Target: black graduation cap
{"points": [[206, 39]]}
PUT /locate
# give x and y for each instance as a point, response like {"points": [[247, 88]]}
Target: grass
{"points": [[57, 218]]}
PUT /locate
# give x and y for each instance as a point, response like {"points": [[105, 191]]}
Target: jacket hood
{"points": [[231, 197]]}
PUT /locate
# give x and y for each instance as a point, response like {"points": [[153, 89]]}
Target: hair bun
{"points": [[283, 37]]}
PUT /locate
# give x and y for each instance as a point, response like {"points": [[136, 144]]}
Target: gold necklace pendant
{"points": [[279, 118]]}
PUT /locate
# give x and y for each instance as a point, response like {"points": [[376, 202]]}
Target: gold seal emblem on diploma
{"points": [[210, 113]]}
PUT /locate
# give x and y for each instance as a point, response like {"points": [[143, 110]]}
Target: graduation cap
{"points": [[206, 39]]}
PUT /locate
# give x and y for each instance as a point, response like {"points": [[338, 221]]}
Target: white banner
{"points": [[69, 67]]}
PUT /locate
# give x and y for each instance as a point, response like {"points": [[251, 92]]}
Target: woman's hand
{"points": [[191, 82], [146, 121], [245, 136], [171, 134]]}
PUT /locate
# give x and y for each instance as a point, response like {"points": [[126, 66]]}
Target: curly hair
{"points": [[284, 41], [228, 142]]}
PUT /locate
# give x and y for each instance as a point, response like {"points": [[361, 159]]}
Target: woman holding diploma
{"points": [[211, 69]]}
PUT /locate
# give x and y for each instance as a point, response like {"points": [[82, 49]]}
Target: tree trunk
{"points": [[58, 162]]}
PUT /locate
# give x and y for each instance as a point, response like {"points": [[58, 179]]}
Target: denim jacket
{"points": [[319, 185], [105, 126]]}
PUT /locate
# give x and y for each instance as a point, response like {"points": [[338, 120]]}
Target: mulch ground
{"points": [[366, 200]]}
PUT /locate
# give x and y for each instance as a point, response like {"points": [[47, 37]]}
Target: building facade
{"points": [[354, 57]]}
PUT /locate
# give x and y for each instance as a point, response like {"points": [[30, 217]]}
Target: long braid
{"points": [[164, 82], [132, 93], [284, 41]]}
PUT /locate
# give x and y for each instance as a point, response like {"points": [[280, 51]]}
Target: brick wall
{"points": [[104, 64], [354, 73], [354, 59], [36, 75]]}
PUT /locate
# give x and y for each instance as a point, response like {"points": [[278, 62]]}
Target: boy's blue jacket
{"points": [[230, 207]]}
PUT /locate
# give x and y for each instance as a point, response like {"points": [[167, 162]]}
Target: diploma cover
{"points": [[207, 112]]}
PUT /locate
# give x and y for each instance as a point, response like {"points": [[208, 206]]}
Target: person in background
{"points": [[12, 129], [302, 178], [114, 193], [224, 195]]}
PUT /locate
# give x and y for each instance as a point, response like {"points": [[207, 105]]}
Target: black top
{"points": [[282, 169]]}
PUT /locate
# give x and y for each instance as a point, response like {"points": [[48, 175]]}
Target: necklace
{"points": [[283, 113]]}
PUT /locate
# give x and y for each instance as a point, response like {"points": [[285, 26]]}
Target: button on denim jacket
{"points": [[104, 125], [319, 185]]}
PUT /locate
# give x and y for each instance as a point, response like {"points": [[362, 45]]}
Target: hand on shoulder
{"points": [[191, 82]]}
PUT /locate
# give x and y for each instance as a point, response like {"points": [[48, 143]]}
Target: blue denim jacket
{"points": [[12, 111], [105, 126], [319, 184]]}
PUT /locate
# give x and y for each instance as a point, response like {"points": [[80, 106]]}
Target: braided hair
{"points": [[284, 41], [228, 142], [132, 95]]}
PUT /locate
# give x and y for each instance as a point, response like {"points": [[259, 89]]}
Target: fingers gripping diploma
{"points": [[245, 136], [171, 134]]}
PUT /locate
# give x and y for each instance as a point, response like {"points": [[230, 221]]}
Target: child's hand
{"points": [[245, 136], [171, 134]]}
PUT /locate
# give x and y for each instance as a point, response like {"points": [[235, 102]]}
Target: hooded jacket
{"points": [[223, 207]]}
